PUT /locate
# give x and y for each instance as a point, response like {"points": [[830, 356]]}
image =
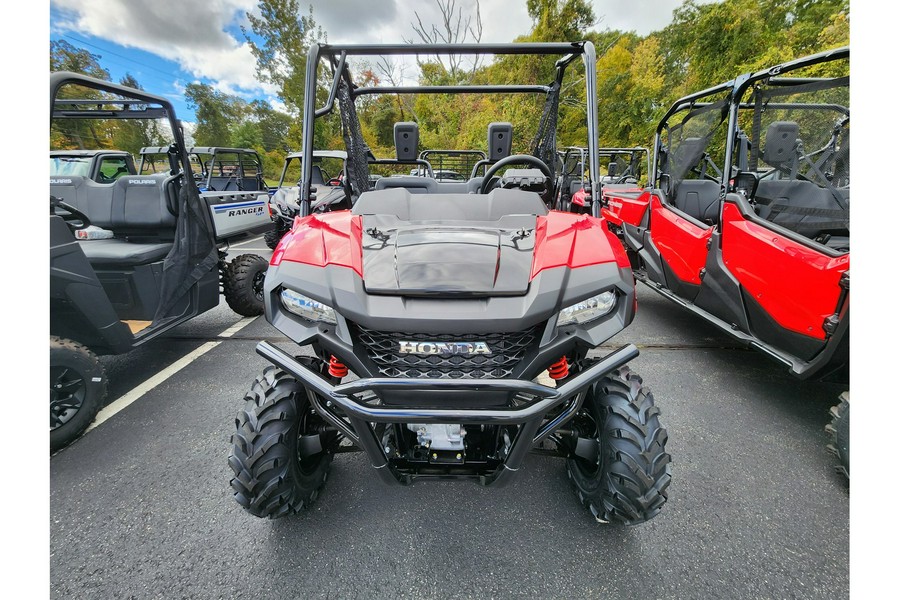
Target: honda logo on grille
{"points": [[444, 348]]}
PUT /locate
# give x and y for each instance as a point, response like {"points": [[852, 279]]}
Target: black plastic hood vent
{"points": [[454, 258]]}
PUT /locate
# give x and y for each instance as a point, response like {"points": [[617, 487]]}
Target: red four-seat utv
{"points": [[746, 222]]}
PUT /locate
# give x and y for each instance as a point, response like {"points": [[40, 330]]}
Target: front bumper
{"points": [[537, 418]]}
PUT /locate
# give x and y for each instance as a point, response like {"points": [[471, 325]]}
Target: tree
{"points": [[133, 134], [66, 57], [281, 55], [560, 20], [273, 125], [77, 133], [216, 114], [453, 29]]}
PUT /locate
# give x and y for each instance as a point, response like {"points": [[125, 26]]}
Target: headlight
{"points": [[588, 309], [306, 307]]}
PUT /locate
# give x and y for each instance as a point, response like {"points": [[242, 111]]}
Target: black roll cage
{"points": [[735, 89], [337, 55], [199, 152], [133, 104]]}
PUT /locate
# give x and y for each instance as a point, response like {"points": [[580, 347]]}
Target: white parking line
{"points": [[131, 396]]}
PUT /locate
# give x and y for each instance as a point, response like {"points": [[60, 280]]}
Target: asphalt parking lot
{"points": [[140, 507]]}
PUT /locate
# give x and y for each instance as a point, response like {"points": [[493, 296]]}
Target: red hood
{"points": [[323, 239], [561, 240], [574, 240]]}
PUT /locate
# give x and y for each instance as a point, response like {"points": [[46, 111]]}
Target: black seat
{"points": [[115, 252], [142, 221], [793, 201], [698, 198], [803, 206]]}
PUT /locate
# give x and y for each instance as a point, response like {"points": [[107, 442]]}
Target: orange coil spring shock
{"points": [[336, 368], [559, 369]]}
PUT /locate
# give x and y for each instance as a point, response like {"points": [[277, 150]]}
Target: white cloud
{"points": [[189, 33], [278, 105]]}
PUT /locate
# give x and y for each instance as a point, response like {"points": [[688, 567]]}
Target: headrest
{"points": [[499, 141], [406, 140], [781, 141]]}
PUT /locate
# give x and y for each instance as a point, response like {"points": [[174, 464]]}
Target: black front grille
{"points": [[507, 350]]}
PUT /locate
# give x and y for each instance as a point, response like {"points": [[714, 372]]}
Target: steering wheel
{"points": [[73, 217], [515, 159]]}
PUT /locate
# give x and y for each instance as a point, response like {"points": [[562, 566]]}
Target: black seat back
{"points": [[409, 206], [698, 198], [92, 198], [141, 205]]}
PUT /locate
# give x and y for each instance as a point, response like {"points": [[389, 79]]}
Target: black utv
{"points": [[161, 261]]}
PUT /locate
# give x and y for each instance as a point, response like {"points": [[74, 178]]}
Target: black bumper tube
{"points": [[530, 417]]}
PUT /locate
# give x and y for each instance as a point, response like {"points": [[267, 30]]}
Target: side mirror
{"points": [[745, 183]]}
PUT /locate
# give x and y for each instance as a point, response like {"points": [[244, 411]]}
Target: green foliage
{"points": [[77, 133], [66, 57], [133, 134], [281, 56], [215, 112]]}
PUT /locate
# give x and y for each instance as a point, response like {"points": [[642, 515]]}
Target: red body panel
{"points": [[625, 204], [579, 198], [564, 239], [795, 284], [681, 243], [323, 239], [561, 239]]}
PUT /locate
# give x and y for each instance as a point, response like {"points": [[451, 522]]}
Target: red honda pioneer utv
{"points": [[746, 222], [160, 262], [450, 323], [624, 168]]}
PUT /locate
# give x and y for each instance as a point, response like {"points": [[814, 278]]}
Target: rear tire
{"points": [[271, 479], [627, 483], [839, 430], [273, 236], [77, 390], [243, 284]]}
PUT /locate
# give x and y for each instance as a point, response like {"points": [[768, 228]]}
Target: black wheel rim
{"points": [[311, 424], [586, 425], [258, 284], [67, 392]]}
